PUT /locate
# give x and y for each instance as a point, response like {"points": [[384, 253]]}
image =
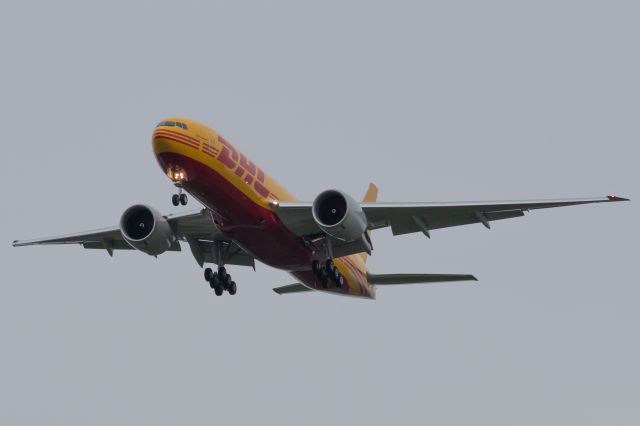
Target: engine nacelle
{"points": [[145, 229], [339, 215]]}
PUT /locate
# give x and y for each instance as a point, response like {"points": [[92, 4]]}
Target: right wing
{"points": [[194, 227], [405, 218]]}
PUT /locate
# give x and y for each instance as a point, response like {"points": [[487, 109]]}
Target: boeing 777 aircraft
{"points": [[248, 216]]}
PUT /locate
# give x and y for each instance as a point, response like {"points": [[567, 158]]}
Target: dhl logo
{"points": [[240, 165]]}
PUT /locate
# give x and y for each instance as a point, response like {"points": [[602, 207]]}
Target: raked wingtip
{"points": [[616, 198]]}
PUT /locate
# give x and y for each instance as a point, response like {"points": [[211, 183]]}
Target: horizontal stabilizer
{"points": [[390, 279], [291, 288]]}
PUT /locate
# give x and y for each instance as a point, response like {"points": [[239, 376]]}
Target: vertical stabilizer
{"points": [[370, 197], [372, 194]]}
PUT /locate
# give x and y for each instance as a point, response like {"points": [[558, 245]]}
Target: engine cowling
{"points": [[145, 229], [339, 215]]}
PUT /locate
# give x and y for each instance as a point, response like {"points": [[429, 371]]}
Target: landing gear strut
{"points": [[220, 281], [327, 273]]}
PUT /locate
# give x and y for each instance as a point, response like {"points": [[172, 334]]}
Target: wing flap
{"points": [[113, 245], [120, 245], [407, 225]]}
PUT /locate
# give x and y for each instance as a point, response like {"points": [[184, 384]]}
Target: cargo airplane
{"points": [[248, 216]]}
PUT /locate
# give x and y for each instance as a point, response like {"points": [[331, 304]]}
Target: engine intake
{"points": [[145, 229], [339, 215]]}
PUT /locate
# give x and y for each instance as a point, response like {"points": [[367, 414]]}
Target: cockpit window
{"points": [[173, 124]]}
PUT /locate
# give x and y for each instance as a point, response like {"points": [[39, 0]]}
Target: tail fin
{"points": [[372, 193], [369, 197]]}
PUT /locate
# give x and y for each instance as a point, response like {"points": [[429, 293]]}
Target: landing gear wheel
{"points": [[340, 282], [336, 275], [226, 282], [183, 199], [214, 281], [222, 271], [175, 199], [330, 266], [324, 282], [222, 281], [208, 274], [315, 267]]}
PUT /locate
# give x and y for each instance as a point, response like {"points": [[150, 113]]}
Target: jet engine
{"points": [[145, 229], [339, 215]]}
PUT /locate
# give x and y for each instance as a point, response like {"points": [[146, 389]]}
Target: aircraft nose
{"points": [[161, 142], [173, 136], [173, 146]]}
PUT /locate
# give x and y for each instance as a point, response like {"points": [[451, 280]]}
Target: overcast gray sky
{"points": [[433, 101]]}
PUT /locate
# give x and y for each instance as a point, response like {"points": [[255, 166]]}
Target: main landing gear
{"points": [[179, 198], [327, 273], [220, 281]]}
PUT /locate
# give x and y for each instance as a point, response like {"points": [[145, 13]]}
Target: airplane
{"points": [[248, 216]]}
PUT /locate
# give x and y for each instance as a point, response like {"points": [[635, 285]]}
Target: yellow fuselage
{"points": [[241, 198]]}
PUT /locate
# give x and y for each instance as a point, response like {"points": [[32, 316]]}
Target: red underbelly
{"points": [[256, 229]]}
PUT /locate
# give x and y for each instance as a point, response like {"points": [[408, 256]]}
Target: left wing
{"points": [[195, 227], [405, 218]]}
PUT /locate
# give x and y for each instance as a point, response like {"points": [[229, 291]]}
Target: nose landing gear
{"points": [[179, 198], [178, 176], [220, 281]]}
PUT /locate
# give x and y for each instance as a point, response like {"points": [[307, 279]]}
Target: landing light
{"points": [[176, 175]]}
